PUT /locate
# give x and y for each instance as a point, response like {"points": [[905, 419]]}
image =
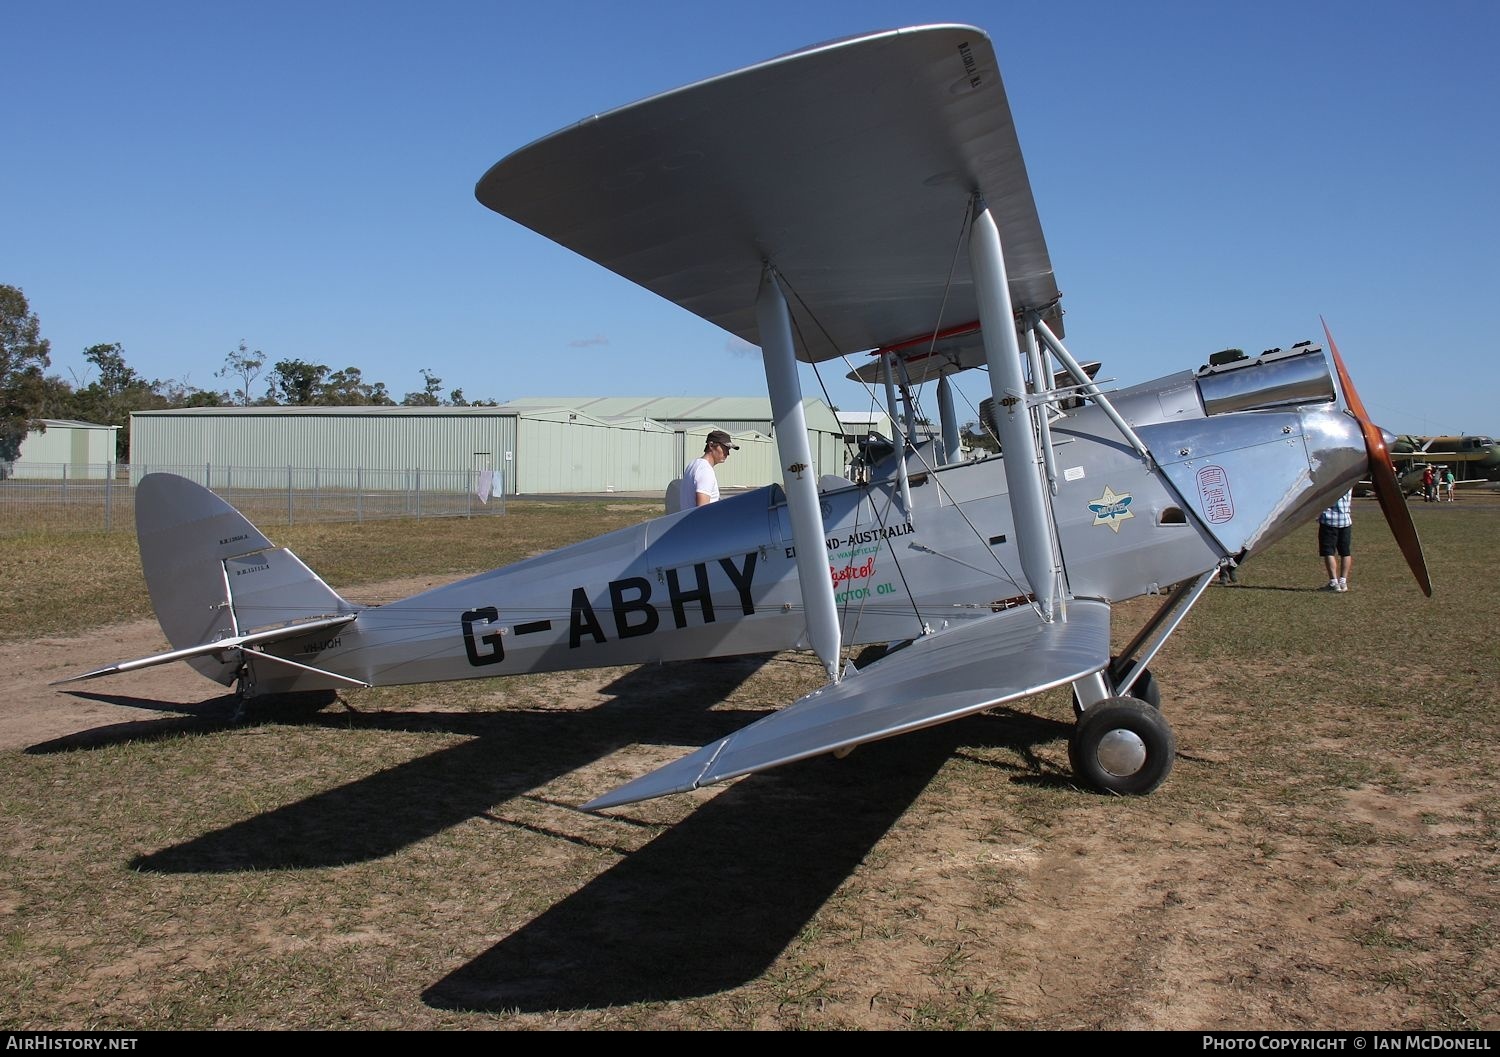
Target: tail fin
{"points": [[213, 576]]}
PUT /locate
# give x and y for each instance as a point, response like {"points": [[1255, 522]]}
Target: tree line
{"points": [[114, 389]]}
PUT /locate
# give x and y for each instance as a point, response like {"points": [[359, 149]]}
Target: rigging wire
{"points": [[906, 389], [921, 624]]}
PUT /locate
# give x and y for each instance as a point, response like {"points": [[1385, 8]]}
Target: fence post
{"points": [[419, 493], [289, 493], [359, 494], [208, 476], [109, 480]]}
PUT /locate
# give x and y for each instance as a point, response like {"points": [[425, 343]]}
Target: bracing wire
{"points": [[932, 344]]}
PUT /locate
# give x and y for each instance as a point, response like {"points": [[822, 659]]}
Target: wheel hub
{"points": [[1121, 752]]}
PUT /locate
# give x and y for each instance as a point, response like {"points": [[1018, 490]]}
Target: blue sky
{"points": [[177, 177]]}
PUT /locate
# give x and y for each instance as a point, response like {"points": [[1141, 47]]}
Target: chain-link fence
{"points": [[60, 497]]}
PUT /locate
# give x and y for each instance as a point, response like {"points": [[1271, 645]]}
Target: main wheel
{"points": [[1122, 746]]}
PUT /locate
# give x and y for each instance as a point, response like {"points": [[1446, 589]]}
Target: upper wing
{"points": [[849, 166], [964, 669]]}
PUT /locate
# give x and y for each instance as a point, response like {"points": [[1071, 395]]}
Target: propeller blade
{"points": [[1392, 502]]}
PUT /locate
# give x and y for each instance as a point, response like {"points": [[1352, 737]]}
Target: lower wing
{"points": [[940, 677]]}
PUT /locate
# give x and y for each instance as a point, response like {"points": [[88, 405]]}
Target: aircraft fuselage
{"points": [[721, 580]]}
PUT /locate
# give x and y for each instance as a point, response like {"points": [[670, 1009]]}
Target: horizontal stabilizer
{"points": [[235, 642], [953, 673]]}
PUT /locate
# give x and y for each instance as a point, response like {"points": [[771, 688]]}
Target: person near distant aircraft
{"points": [[1450, 481], [1335, 542], [1428, 481], [699, 479]]}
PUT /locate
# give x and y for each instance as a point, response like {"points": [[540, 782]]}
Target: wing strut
{"points": [[1040, 377], [1158, 629], [799, 476], [1002, 351], [899, 434], [1088, 386], [952, 445]]}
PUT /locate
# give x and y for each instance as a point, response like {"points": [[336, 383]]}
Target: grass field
{"points": [[56, 582], [55, 506], [1323, 856]]}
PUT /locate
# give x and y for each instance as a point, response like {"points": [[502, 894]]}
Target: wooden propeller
{"points": [[1392, 502]]}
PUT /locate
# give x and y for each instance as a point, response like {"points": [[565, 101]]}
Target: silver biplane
{"points": [[862, 196]]}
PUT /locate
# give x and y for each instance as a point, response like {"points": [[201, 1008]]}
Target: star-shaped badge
{"points": [[1111, 508]]}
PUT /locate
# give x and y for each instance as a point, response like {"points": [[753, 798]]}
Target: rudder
{"points": [[213, 575]]}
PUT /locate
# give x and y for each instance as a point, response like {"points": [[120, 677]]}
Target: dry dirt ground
{"points": [[411, 859]]}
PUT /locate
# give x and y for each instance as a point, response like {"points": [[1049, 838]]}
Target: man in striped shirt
{"points": [[1335, 538]]}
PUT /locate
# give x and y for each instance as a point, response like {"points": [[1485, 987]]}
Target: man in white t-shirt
{"points": [[700, 485]]}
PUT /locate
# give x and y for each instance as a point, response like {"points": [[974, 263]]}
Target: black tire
{"points": [[1145, 688], [1122, 746]]}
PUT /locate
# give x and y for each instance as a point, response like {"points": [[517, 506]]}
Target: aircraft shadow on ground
{"points": [[220, 713], [708, 905], [711, 903], [202, 718], [1019, 733], [510, 752], [1278, 587]]}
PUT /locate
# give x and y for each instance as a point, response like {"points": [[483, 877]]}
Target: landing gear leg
{"points": [[1142, 687], [1122, 744], [244, 689]]}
